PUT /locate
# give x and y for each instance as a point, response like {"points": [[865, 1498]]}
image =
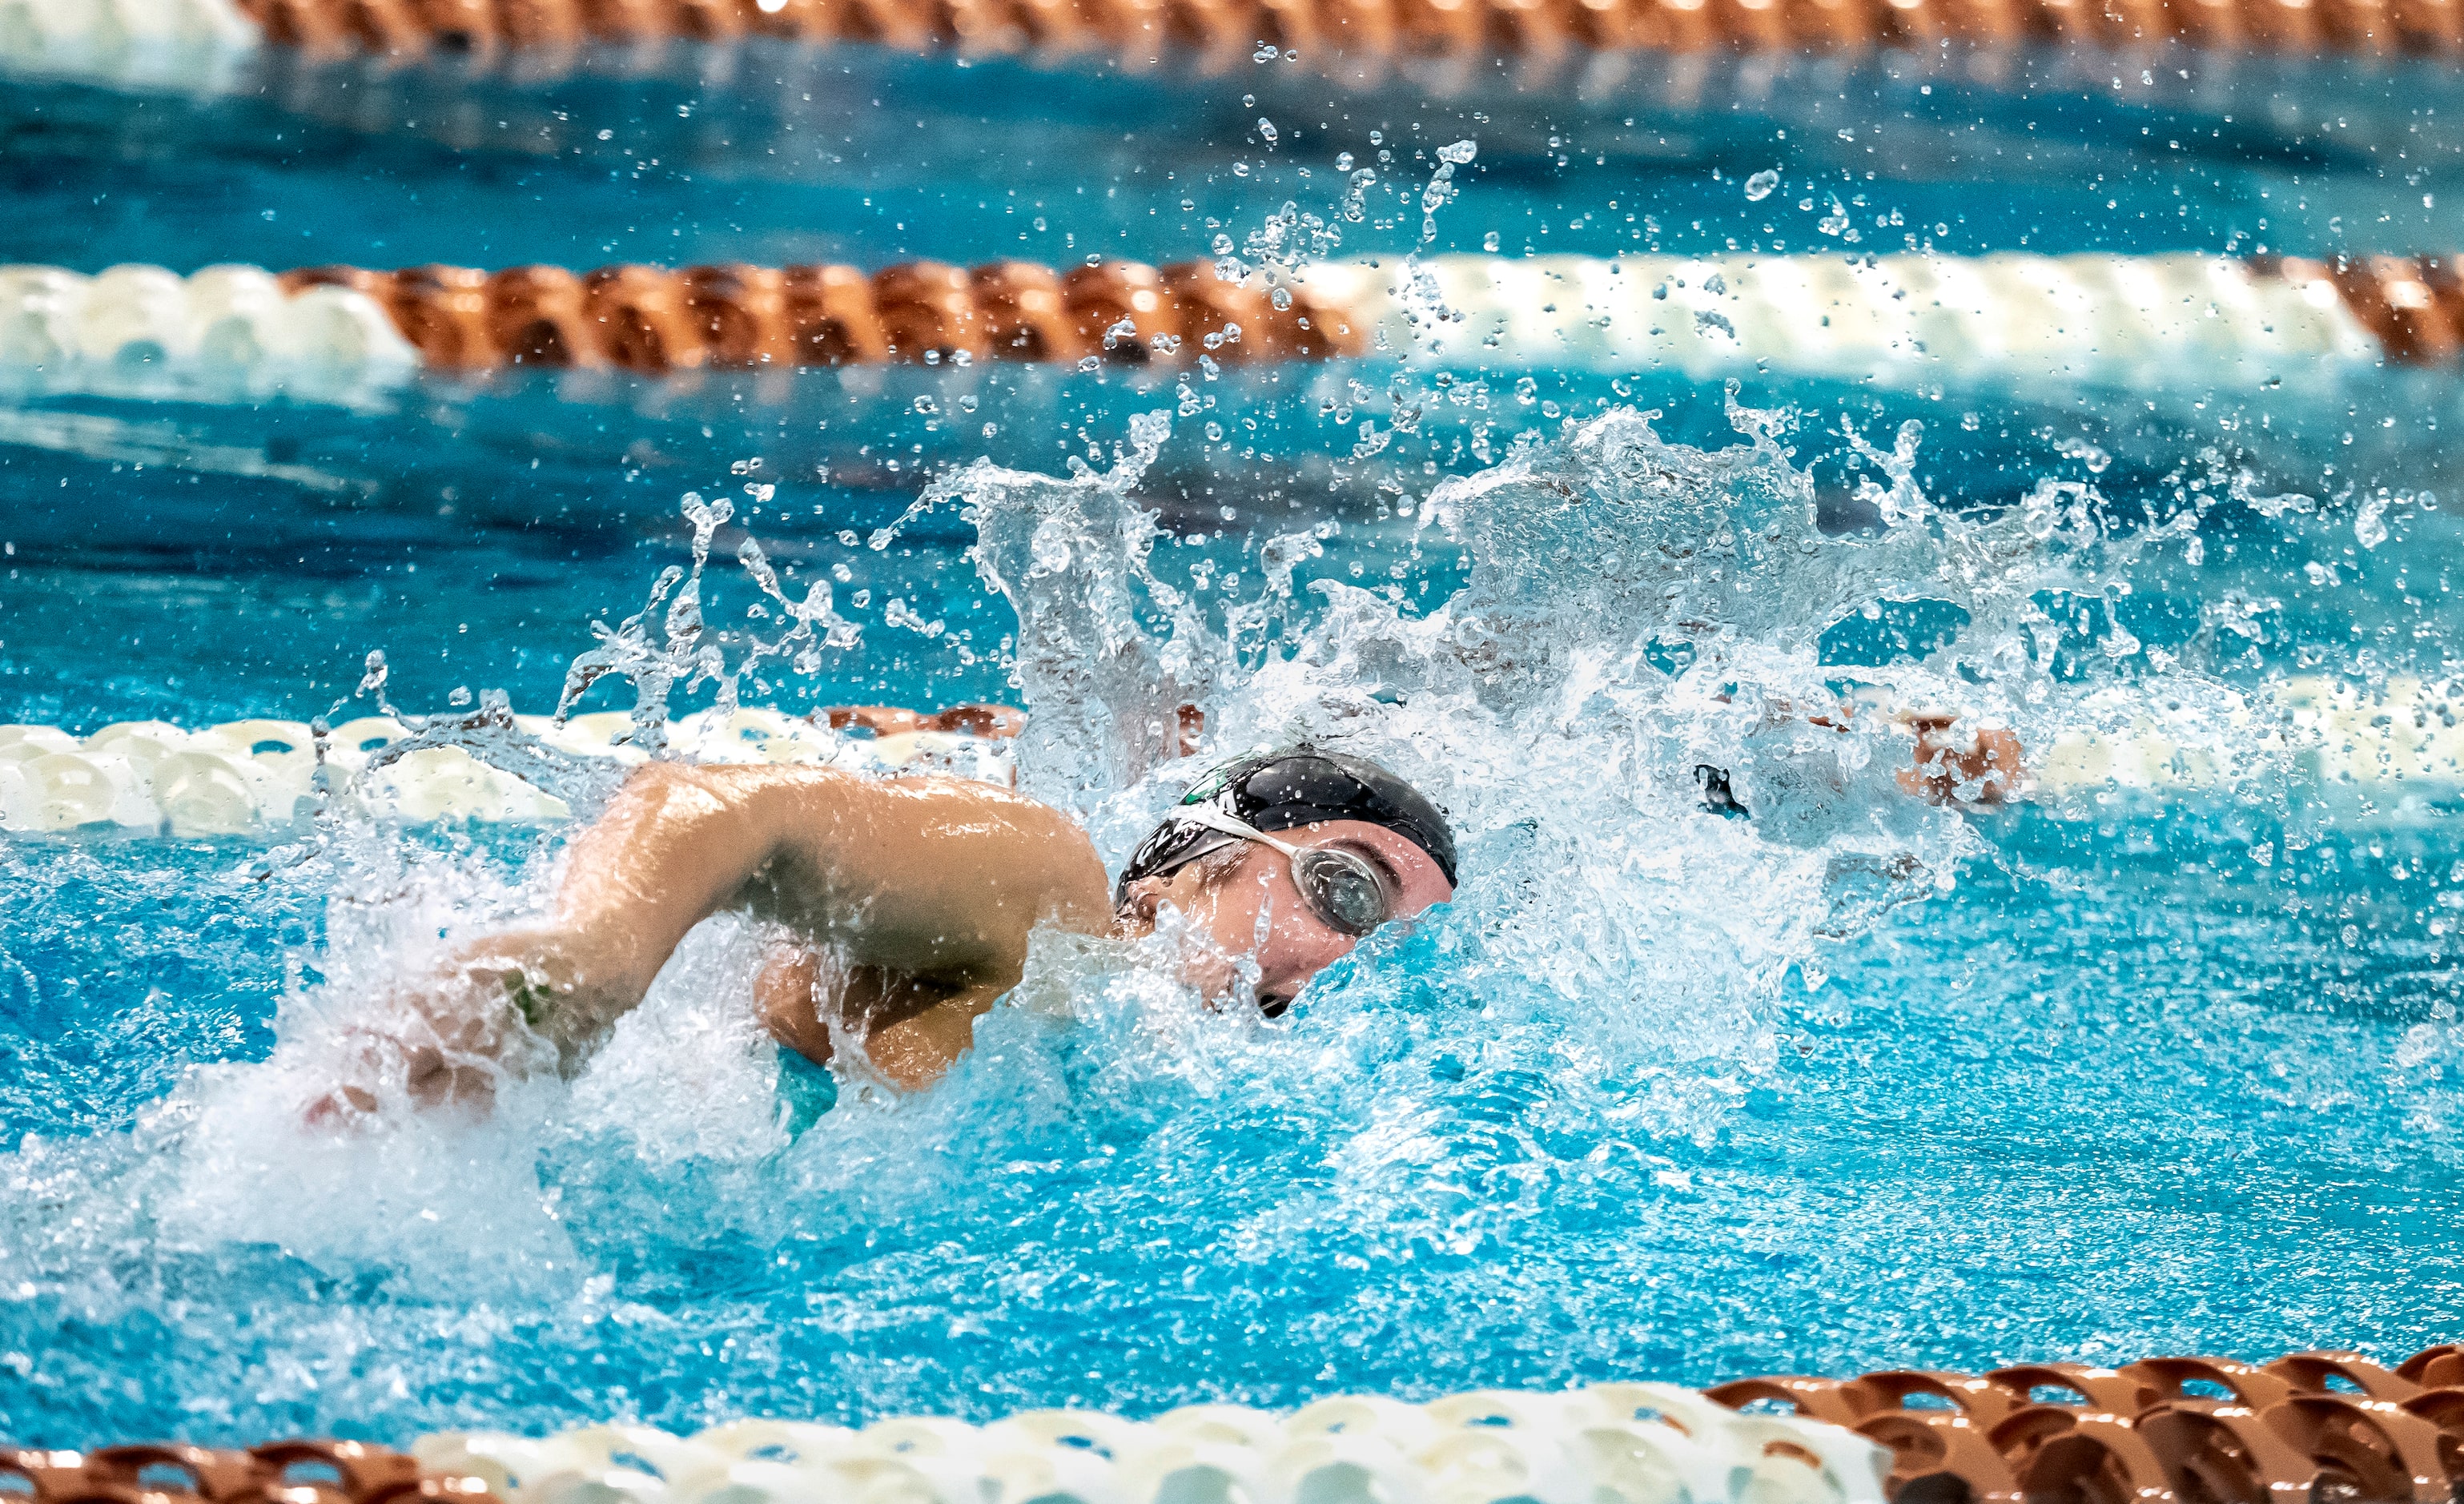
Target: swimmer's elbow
{"points": [[1080, 896]]}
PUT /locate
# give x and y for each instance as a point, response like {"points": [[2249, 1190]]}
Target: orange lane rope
{"points": [[1372, 28], [2314, 1426], [2413, 305], [278, 1472], [646, 319]]}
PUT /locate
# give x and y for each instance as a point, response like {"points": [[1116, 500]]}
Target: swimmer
{"points": [[911, 900]]}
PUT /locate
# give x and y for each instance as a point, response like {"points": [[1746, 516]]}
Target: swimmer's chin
{"points": [[1231, 988], [1222, 981]]}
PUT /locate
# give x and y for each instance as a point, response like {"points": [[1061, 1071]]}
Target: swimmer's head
{"points": [[1289, 857]]}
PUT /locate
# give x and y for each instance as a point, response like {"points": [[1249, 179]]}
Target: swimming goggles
{"points": [[1343, 891]]}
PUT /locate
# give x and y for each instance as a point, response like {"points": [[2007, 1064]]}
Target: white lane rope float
{"points": [[1607, 1444], [257, 777], [194, 46], [1911, 321], [2090, 319], [248, 777], [233, 329]]}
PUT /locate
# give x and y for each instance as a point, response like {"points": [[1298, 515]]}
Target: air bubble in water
{"points": [[1761, 185]]}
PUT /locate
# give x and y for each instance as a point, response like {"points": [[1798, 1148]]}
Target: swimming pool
{"points": [[2164, 1059]]}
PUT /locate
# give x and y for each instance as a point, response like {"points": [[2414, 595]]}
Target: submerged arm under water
{"points": [[925, 887]]}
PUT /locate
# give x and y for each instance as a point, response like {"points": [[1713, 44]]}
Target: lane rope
{"points": [[253, 777], [92, 32], [257, 777], [2163, 1430], [2096, 320]]}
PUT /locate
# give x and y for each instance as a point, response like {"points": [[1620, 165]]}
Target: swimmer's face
{"points": [[1254, 910]]}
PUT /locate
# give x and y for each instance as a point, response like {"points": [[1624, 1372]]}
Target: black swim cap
{"points": [[1289, 787]]}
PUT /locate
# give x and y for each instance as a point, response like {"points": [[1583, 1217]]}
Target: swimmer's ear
{"points": [[1140, 900], [1146, 898]]}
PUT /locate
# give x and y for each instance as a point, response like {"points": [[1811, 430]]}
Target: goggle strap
{"points": [[1215, 817]]}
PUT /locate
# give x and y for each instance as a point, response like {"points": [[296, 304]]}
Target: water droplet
{"points": [[1761, 185], [2369, 524]]}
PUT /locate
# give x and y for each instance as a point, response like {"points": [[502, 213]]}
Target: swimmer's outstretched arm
{"points": [[1985, 768], [937, 880], [1982, 769]]}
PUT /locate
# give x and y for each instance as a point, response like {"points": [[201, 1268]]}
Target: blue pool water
{"points": [[1854, 1084]]}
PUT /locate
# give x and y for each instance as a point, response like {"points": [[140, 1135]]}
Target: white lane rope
{"points": [[187, 45], [1610, 1444], [228, 330], [2091, 319], [259, 777]]}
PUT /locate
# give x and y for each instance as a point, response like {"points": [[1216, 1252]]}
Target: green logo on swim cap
{"points": [[1217, 778], [1207, 787]]}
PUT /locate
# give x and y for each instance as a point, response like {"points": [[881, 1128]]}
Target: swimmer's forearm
{"points": [[674, 847]]}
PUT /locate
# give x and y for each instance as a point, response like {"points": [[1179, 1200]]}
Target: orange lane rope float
{"points": [[1373, 28], [2309, 1427], [646, 319], [278, 1472]]}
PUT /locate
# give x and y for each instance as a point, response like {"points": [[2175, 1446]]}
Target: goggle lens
{"points": [[1342, 890]]}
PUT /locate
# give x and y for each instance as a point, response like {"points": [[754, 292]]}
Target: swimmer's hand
{"points": [[424, 1075], [1981, 771], [448, 1040], [937, 882]]}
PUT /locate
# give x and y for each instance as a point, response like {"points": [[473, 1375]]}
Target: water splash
{"points": [[688, 654]]}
